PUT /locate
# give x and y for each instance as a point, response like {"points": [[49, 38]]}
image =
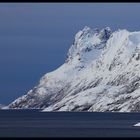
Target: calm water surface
{"points": [[33, 123]]}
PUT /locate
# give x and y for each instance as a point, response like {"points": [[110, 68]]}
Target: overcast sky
{"points": [[35, 38]]}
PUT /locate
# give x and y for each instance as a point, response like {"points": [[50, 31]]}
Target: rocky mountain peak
{"points": [[86, 40]]}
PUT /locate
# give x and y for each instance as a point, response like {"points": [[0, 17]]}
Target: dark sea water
{"points": [[33, 123]]}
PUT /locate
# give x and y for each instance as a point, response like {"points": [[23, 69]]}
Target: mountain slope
{"points": [[101, 73], [3, 106]]}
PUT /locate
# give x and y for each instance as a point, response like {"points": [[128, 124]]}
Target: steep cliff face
{"points": [[101, 73]]}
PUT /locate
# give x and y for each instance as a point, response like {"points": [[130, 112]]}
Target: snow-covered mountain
{"points": [[101, 73], [3, 106]]}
